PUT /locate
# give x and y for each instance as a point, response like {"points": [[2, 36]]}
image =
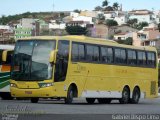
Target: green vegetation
{"points": [[105, 6], [128, 41], [134, 23], [98, 8], [36, 15], [105, 3], [77, 11], [115, 6], [76, 30], [141, 25], [110, 23]]}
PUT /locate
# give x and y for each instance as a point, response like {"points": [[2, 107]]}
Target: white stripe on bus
{"points": [[4, 76]]}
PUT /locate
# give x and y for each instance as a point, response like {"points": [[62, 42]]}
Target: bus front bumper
{"points": [[28, 93]]}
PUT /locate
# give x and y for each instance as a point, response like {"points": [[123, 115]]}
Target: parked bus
{"points": [[5, 50], [77, 66]]}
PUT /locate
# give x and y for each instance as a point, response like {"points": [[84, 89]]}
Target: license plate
{"points": [[28, 92]]}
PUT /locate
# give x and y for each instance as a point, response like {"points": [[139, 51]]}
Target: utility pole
{"points": [[53, 8]]}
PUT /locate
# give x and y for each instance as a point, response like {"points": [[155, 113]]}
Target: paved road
{"points": [[79, 107]]}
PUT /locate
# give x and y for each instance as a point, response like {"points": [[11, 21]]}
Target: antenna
{"points": [[53, 8]]}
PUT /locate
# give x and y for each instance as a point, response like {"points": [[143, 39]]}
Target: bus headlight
{"points": [[13, 85], [42, 85]]}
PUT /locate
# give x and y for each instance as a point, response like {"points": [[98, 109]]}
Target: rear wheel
{"points": [[104, 100], [34, 100], [90, 100], [136, 96], [125, 96]]}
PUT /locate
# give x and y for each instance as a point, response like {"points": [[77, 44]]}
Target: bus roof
{"points": [[90, 40], [6, 47]]}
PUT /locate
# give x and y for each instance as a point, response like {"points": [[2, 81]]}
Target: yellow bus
{"points": [[77, 66]]}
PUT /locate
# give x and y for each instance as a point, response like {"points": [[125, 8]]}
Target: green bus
{"points": [[5, 71]]}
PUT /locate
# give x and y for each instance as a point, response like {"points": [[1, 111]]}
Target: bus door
{"points": [[61, 67]]}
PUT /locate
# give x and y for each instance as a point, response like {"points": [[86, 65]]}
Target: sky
{"points": [[11, 7]]}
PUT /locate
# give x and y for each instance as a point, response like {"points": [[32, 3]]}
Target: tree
{"points": [[141, 25], [132, 22], [76, 30], [109, 8], [110, 23], [105, 3], [128, 41], [100, 17], [77, 11], [115, 6], [98, 8]]}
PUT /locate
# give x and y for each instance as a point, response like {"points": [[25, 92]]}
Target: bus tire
{"points": [[6, 96], [34, 100], [136, 96], [90, 100], [125, 96], [70, 95], [104, 100]]}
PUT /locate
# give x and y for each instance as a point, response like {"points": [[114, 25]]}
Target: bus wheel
{"points": [[70, 94], [6, 96], [34, 100], [135, 96], [125, 96], [90, 100], [104, 100]]}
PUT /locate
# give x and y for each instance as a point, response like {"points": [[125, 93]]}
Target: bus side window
{"points": [[117, 55], [81, 52], [132, 60], [75, 56], [110, 55], [89, 52], [92, 53], [120, 56], [141, 58], [78, 53], [103, 55], [107, 55], [96, 53], [151, 59]]}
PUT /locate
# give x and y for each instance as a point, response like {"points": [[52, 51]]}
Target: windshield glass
{"points": [[31, 60]]}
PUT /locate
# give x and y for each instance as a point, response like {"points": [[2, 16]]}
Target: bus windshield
{"points": [[31, 60]]}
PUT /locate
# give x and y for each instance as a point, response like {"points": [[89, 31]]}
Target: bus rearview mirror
{"points": [[4, 56], [52, 56]]}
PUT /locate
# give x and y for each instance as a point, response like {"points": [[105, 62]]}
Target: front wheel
{"points": [[90, 100], [34, 100], [69, 98], [6, 96]]}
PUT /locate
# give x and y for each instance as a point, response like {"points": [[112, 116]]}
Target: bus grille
{"points": [[153, 88]]}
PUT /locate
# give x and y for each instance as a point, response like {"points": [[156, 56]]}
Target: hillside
{"points": [[36, 15]]}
